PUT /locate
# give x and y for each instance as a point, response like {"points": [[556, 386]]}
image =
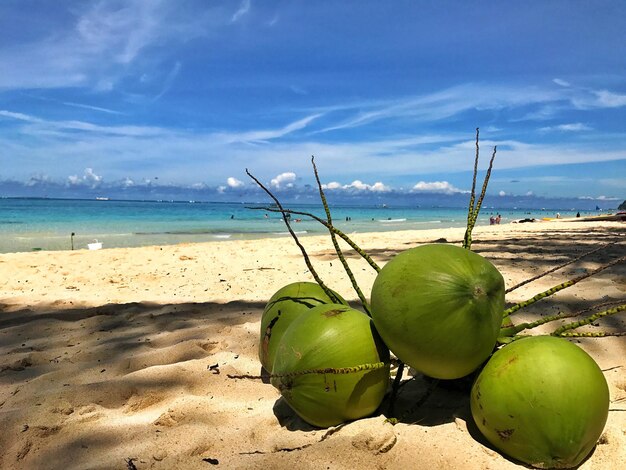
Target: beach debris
{"points": [[211, 461], [95, 245], [215, 368]]}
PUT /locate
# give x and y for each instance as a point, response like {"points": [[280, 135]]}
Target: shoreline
{"points": [[111, 355], [65, 242], [26, 227], [78, 274]]}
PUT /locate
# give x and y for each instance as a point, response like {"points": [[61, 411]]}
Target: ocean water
{"points": [[48, 224]]}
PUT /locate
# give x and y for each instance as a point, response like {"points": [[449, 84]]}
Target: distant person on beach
{"points": [[558, 216], [498, 218], [577, 214], [492, 220]]}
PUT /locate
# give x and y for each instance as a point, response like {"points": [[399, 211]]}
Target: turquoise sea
{"points": [[48, 224]]}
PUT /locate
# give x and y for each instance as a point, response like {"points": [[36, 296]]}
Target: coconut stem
{"points": [[512, 330], [467, 241], [394, 389], [470, 210], [474, 209], [333, 237], [432, 385], [597, 334], [325, 288], [327, 370], [556, 268], [342, 235], [560, 287], [561, 331], [483, 191]]}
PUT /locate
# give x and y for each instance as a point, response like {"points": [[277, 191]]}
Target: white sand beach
{"points": [[119, 358]]}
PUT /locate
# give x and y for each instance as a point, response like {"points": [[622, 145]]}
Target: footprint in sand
{"points": [[169, 419], [35, 432], [182, 352], [378, 440], [88, 413], [138, 402]]}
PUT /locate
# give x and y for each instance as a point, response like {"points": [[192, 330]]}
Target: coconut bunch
{"points": [[439, 309]]}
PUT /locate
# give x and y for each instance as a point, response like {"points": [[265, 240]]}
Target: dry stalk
{"points": [[561, 331], [514, 329], [556, 268], [327, 370], [474, 208], [333, 237], [334, 229], [559, 287], [307, 260]]}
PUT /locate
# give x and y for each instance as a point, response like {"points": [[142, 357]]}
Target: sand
{"points": [[119, 358]]}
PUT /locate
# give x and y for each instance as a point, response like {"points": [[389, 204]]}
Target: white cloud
{"points": [[264, 135], [502, 193], [284, 180], [89, 178], [95, 43], [332, 185], [379, 187], [562, 83], [572, 127], [357, 185], [43, 126], [169, 81], [444, 104], [436, 187], [234, 182], [610, 100], [600, 198], [243, 10], [19, 116], [588, 99]]}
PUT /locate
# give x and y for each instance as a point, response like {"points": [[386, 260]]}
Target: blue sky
{"points": [[150, 96]]}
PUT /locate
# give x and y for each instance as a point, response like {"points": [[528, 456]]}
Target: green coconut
{"points": [[283, 307], [331, 336], [439, 309], [541, 400]]}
